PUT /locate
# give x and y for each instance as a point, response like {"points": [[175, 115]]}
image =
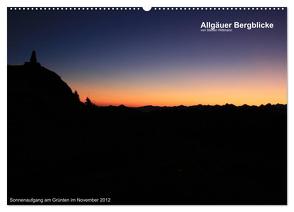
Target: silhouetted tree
{"points": [[76, 96], [88, 102]]}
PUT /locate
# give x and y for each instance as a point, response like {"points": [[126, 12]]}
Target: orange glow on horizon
{"points": [[260, 87]]}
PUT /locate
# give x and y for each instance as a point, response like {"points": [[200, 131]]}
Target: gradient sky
{"points": [[140, 58]]}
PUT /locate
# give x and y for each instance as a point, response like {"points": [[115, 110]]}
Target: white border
{"points": [[140, 8], [146, 4]]}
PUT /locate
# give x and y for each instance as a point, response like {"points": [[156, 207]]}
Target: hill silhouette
{"points": [[61, 147]]}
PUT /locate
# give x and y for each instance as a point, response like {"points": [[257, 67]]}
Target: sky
{"points": [[160, 58]]}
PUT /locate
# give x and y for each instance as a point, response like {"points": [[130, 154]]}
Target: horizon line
{"points": [[197, 105]]}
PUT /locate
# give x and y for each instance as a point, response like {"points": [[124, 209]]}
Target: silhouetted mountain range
{"points": [[32, 82], [61, 147]]}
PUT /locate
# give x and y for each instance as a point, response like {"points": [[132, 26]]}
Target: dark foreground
{"points": [[59, 148]]}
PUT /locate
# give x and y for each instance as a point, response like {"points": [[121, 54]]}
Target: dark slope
{"points": [[59, 147], [42, 121], [35, 87]]}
